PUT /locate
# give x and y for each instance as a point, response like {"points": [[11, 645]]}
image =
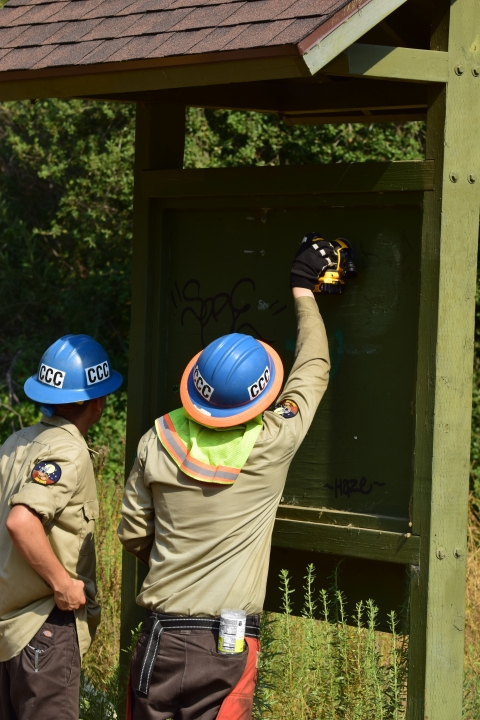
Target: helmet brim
{"points": [[207, 414], [42, 393]]}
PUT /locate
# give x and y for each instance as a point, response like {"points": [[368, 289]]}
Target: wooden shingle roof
{"points": [[48, 34]]}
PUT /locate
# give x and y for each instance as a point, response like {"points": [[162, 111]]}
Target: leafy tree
{"points": [[223, 138], [65, 225]]}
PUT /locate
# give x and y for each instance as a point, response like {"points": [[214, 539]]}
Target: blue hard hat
{"points": [[74, 368], [234, 379]]}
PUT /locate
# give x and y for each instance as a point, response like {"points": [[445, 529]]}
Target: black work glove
{"points": [[313, 257]]}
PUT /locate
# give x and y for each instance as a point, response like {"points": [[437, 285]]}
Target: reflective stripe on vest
{"points": [[195, 469]]}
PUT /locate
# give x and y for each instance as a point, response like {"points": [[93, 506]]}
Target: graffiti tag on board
{"points": [[347, 487], [228, 306]]}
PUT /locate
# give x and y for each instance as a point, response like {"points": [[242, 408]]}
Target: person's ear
{"points": [[98, 404]]}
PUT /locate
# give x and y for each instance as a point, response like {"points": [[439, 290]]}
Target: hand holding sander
{"points": [[323, 266]]}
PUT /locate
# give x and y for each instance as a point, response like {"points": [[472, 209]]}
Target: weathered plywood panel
{"points": [[229, 270]]}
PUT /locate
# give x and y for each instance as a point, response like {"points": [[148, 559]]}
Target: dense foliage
{"points": [[65, 224], [223, 138]]}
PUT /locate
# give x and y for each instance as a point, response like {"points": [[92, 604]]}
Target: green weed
{"points": [[333, 668], [102, 695]]}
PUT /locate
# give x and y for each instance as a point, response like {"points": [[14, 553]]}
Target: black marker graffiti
{"points": [[205, 309], [349, 487]]}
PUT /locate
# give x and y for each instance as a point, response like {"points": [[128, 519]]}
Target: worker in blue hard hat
{"points": [[48, 507], [199, 508]]}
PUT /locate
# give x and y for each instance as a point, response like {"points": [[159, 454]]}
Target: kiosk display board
{"points": [[223, 250]]}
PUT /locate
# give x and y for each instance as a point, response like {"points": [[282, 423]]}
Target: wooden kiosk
{"points": [[382, 477]]}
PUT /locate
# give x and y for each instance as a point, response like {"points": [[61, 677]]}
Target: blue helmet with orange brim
{"points": [[232, 381]]}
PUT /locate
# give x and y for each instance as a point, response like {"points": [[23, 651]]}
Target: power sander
{"points": [[333, 277]]}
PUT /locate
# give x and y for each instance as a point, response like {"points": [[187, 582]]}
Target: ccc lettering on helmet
{"points": [[259, 386], [97, 373], [51, 376], [205, 390]]}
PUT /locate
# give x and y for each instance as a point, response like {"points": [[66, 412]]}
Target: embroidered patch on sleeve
{"points": [[46, 473], [287, 409]]}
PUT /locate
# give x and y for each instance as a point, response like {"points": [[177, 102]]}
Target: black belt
{"points": [[156, 624]]}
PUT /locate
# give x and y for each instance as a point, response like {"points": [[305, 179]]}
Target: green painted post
{"points": [[159, 145], [444, 374]]}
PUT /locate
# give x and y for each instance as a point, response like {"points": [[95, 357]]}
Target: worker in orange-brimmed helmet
{"points": [[199, 508]]}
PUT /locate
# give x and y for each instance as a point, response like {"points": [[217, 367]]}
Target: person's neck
{"points": [[82, 423]]}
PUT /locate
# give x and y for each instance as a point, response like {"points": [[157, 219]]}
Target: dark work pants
{"points": [[43, 681], [190, 679]]}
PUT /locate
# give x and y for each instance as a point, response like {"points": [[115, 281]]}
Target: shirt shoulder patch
{"points": [[46, 473], [286, 409]]}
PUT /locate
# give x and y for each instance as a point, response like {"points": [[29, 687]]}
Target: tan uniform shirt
{"points": [[211, 544], [68, 510]]}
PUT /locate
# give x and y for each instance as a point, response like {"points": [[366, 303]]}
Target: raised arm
{"points": [[308, 378]]}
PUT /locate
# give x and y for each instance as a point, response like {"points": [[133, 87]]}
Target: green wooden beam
{"points": [[159, 142], [402, 548], [354, 94], [360, 22], [292, 96], [355, 116], [257, 204], [444, 385], [327, 516], [68, 82], [397, 63], [289, 180]]}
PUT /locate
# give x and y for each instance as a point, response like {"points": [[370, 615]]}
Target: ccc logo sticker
{"points": [[97, 373], [203, 387], [51, 376], [259, 386]]}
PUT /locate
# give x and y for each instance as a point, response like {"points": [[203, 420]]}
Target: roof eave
{"points": [[151, 63], [265, 63], [156, 74]]}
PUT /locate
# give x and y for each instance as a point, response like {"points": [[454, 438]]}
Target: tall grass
{"points": [[102, 694], [99, 663], [107, 448], [471, 704], [333, 667]]}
